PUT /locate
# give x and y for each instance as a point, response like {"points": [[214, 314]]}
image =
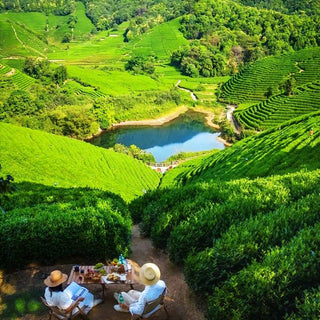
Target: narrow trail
{"points": [[24, 45], [180, 302], [231, 119], [193, 96]]}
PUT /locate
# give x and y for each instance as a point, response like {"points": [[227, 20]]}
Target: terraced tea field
{"points": [[275, 151], [278, 109], [35, 156], [253, 82]]}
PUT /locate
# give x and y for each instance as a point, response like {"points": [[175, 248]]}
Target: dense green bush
{"points": [[267, 290], [162, 210], [245, 199], [60, 227], [243, 243], [308, 307]]}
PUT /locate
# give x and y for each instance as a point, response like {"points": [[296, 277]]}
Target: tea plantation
{"points": [[280, 108], [253, 82], [35, 156], [242, 223], [46, 224], [287, 148]]}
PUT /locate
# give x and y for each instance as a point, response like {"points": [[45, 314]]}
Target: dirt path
{"points": [[180, 302]]}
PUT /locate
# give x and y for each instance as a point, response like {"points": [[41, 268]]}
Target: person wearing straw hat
{"points": [[56, 296], [134, 301]]}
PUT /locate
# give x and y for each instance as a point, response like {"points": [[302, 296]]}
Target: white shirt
{"points": [[148, 294], [59, 299]]}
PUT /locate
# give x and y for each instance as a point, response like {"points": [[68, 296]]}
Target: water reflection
{"points": [[188, 133]]}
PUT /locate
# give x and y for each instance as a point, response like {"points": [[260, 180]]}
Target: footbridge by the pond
{"points": [[162, 166]]}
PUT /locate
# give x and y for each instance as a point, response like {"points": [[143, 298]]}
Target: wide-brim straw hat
{"points": [[149, 274], [56, 277]]}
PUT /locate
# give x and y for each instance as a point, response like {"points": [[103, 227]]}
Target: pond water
{"points": [[187, 133]]}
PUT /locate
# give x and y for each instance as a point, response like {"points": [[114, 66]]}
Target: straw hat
{"points": [[56, 277], [149, 274]]}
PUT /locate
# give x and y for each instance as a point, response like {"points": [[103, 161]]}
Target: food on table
{"points": [[113, 277]]}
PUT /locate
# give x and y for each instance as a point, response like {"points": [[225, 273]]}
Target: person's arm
{"points": [[138, 306], [72, 305]]}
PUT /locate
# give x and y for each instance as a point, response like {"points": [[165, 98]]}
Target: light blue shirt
{"points": [[148, 294]]}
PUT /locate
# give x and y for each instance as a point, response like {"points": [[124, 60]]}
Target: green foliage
{"points": [[308, 306], [276, 151], [52, 160], [279, 108], [186, 155], [134, 151], [103, 112], [209, 209], [19, 103], [242, 243], [140, 64], [110, 13], [59, 7], [45, 225], [268, 289], [285, 6], [226, 25], [198, 60], [252, 85]]}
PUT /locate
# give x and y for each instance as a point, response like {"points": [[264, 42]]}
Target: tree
{"points": [[288, 86], [103, 112], [60, 75]]}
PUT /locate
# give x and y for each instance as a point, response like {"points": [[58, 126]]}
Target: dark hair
{"points": [[56, 288]]}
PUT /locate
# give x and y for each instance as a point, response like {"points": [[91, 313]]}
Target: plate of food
{"points": [[111, 278]]}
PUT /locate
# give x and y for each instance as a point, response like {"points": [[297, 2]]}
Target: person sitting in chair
{"points": [[56, 296], [134, 301]]}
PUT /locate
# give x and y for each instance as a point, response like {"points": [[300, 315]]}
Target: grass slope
{"points": [[34, 156], [252, 83], [278, 109], [275, 151]]}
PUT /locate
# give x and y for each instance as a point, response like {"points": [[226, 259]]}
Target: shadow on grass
{"points": [[19, 304]]}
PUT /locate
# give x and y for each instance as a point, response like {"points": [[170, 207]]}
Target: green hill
{"points": [[280, 150], [280, 108], [253, 82], [35, 156]]}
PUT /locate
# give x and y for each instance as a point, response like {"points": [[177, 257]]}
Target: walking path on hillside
{"points": [[180, 302], [193, 96]]}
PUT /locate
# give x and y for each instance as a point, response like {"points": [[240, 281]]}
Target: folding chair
{"points": [[152, 307], [62, 315]]}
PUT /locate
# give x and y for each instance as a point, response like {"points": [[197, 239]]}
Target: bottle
{"points": [[121, 300], [121, 259]]}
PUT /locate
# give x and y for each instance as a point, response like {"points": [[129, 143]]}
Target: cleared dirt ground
{"points": [[180, 302]]}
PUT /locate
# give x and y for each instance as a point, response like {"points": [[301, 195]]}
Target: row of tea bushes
{"points": [[251, 84], [280, 108], [248, 241], [210, 224], [173, 216], [70, 228], [308, 307], [279, 150], [268, 289]]}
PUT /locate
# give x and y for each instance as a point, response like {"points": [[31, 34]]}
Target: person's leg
{"points": [[131, 296], [128, 298]]}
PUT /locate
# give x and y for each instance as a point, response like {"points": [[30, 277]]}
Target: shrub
{"points": [[267, 290], [243, 243], [62, 228]]}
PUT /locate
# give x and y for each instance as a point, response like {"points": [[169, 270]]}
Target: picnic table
{"points": [[128, 278]]}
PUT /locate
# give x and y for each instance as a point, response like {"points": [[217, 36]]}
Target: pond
{"points": [[187, 133]]}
